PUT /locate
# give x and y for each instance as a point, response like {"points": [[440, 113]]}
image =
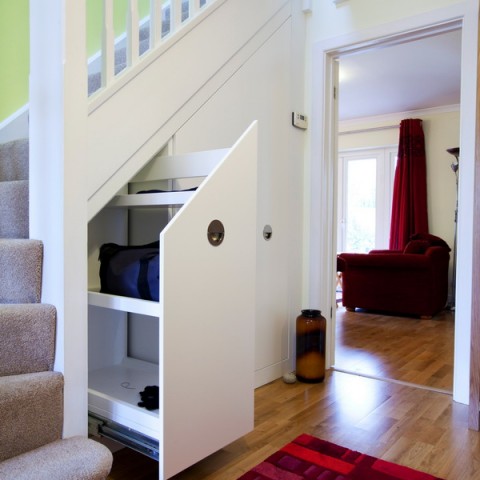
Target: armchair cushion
{"points": [[431, 239]]}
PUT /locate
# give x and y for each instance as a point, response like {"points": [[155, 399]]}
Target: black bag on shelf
{"points": [[130, 271]]}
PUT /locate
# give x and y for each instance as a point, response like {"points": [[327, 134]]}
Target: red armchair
{"points": [[412, 282]]}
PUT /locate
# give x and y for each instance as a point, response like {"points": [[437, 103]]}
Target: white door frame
{"points": [[323, 165]]}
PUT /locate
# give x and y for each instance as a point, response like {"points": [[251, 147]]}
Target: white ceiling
{"points": [[411, 76]]}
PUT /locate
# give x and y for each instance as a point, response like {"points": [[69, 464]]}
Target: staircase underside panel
{"points": [[134, 123]]}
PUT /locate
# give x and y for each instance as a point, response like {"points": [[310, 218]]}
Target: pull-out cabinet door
{"points": [[207, 314]]}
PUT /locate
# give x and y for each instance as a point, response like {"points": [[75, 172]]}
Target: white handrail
{"points": [[166, 17]]}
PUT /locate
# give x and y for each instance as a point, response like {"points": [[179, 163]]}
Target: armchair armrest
{"points": [[437, 253]]}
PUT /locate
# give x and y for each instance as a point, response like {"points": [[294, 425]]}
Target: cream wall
{"points": [[442, 131]]}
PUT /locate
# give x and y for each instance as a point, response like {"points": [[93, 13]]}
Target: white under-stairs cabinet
{"points": [[197, 343]]}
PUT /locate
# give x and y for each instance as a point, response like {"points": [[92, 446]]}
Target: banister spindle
{"points": [[175, 15], [133, 44], [193, 8], [108, 44], [155, 22]]}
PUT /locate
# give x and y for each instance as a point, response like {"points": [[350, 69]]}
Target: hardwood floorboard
{"points": [[398, 348], [412, 426]]}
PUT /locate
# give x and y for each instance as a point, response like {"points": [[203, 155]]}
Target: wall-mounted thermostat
{"points": [[299, 120]]}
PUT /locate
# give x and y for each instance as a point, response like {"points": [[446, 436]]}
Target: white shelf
{"points": [[146, 200], [114, 392], [124, 304]]}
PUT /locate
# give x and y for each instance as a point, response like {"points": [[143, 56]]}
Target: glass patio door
{"points": [[365, 198]]}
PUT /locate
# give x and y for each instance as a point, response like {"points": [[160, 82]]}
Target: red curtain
{"points": [[409, 204]]}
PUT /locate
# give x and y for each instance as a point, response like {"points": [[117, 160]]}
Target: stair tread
{"points": [[72, 458]]}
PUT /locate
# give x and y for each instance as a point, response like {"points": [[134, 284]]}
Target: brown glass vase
{"points": [[310, 331]]}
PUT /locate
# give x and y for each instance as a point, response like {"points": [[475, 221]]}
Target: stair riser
{"points": [[27, 340], [14, 209], [14, 160], [31, 412], [21, 271]]}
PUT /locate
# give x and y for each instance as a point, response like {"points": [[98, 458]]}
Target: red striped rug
{"points": [[310, 458]]}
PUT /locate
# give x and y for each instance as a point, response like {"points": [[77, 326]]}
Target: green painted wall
{"points": [[14, 56], [14, 45], [95, 16]]}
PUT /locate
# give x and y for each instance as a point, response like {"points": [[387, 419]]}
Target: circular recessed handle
{"points": [[267, 232], [215, 233]]}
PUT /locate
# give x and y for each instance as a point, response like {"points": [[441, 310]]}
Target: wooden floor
{"points": [[399, 348], [411, 426], [420, 428]]}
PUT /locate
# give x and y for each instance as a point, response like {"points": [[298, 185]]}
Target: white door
{"points": [[207, 346]]}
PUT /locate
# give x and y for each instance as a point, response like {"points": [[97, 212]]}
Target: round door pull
{"points": [[215, 233], [267, 232]]}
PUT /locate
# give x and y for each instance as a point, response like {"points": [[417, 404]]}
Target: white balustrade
{"points": [[156, 15], [108, 44], [133, 43], [165, 18]]}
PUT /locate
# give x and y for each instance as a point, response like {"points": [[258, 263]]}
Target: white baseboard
{"points": [[272, 372]]}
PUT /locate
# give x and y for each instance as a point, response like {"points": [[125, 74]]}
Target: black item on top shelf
{"points": [[130, 271]]}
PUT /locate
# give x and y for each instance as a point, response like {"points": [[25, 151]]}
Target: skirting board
{"points": [[272, 372]]}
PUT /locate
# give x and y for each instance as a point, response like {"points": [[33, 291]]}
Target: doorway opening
{"points": [[330, 146], [385, 345]]}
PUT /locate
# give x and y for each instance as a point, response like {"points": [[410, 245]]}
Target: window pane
{"points": [[361, 188]]}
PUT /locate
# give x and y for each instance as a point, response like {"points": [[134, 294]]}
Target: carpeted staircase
{"points": [[31, 393]]}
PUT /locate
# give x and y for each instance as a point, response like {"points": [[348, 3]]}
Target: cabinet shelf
{"points": [[186, 334], [124, 304], [150, 200], [114, 392]]}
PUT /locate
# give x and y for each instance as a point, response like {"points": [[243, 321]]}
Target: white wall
{"points": [[131, 121], [58, 209], [332, 29], [330, 20], [261, 89], [206, 89]]}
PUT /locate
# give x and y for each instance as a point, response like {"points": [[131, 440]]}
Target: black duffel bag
{"points": [[130, 271]]}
